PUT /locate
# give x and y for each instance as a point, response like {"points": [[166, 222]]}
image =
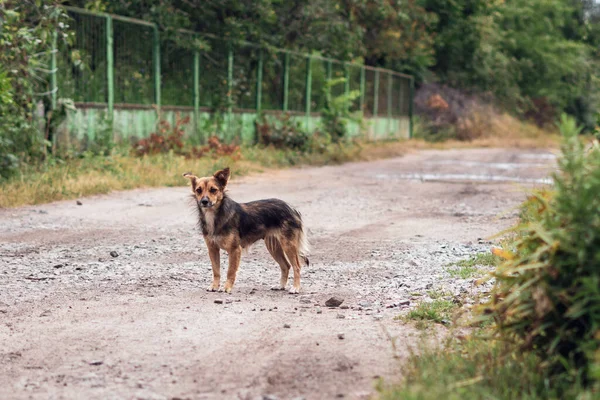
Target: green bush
{"points": [[281, 132], [337, 115], [547, 295]]}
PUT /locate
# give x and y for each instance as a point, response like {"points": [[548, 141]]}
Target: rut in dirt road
{"points": [[108, 300]]}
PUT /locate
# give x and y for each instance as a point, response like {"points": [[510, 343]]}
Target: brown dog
{"points": [[232, 226]]}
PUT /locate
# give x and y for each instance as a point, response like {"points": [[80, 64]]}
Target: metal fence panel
{"points": [[134, 66], [123, 61], [297, 83], [273, 79], [82, 66], [245, 68], [177, 72]]}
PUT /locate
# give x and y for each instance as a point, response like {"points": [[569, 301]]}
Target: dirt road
{"points": [[78, 322]]}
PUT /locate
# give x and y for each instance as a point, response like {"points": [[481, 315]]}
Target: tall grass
{"points": [[62, 180], [547, 296], [541, 338]]}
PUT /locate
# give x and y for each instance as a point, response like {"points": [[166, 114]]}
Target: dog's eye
{"points": [[213, 190], [199, 190]]}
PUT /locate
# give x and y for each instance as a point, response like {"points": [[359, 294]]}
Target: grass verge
{"points": [[474, 368], [438, 310], [468, 268], [63, 180]]}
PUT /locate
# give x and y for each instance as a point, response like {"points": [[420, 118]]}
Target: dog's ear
{"points": [[192, 178], [222, 176]]}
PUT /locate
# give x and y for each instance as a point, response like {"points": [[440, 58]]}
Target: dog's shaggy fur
{"points": [[232, 226]]}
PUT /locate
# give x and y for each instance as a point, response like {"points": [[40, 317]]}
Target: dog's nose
{"points": [[204, 202]]}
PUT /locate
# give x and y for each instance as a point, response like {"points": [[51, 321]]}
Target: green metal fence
{"points": [[126, 72]]}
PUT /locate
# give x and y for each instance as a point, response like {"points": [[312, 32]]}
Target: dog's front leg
{"points": [[234, 262], [215, 259]]}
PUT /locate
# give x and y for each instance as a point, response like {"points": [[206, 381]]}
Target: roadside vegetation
{"points": [[537, 335]]}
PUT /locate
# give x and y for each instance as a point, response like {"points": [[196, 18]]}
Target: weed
{"points": [[438, 310], [463, 272], [474, 368], [282, 132], [480, 259], [90, 174], [468, 268], [438, 294], [168, 138], [547, 295]]}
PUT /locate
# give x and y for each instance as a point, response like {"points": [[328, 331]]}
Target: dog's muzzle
{"points": [[205, 202]]}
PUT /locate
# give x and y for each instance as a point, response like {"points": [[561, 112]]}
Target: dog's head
{"points": [[209, 191]]}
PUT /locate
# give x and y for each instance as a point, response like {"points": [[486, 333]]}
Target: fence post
{"points": [[347, 79], [308, 89], [376, 95], [362, 89], [401, 101], [110, 73], [229, 85], [53, 70], [410, 107], [286, 80], [390, 85], [157, 69], [259, 78], [328, 79], [53, 84], [196, 91]]}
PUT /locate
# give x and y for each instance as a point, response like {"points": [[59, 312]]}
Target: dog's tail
{"points": [[303, 245]]}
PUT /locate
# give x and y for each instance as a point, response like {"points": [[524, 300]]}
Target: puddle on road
{"points": [[540, 156], [506, 166], [465, 177]]}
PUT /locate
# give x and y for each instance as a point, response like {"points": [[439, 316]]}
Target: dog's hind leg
{"points": [[290, 251], [276, 251]]}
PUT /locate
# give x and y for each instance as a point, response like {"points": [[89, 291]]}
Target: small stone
{"points": [[114, 254], [365, 304], [270, 397], [378, 317], [305, 300], [287, 326], [341, 336], [79, 203], [341, 316], [228, 301], [334, 302], [46, 313], [96, 362], [404, 303], [319, 311], [58, 266], [344, 307], [218, 301]]}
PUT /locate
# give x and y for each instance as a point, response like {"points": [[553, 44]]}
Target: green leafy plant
{"points": [[281, 131], [438, 310], [27, 29], [547, 295], [337, 115]]}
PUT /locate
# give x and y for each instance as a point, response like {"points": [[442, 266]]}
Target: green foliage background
{"points": [[535, 58]]}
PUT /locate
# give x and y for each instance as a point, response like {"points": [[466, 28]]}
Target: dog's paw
{"points": [[213, 288], [294, 290], [278, 287]]}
